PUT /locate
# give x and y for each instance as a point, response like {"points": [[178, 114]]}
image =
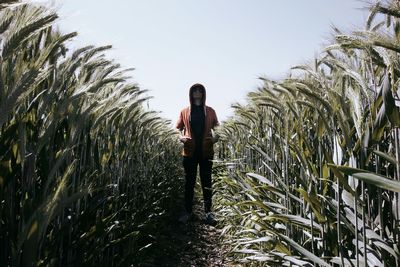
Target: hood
{"points": [[197, 85]]}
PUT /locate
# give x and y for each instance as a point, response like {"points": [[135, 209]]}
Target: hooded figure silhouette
{"points": [[196, 123]]}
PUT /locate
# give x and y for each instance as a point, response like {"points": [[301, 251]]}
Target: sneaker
{"points": [[210, 219], [184, 217]]}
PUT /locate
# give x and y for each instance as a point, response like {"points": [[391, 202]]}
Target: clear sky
{"points": [[224, 44]]}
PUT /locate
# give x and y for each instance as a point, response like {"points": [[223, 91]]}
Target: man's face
{"points": [[197, 93]]}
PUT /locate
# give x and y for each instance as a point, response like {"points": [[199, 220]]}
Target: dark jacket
{"points": [[210, 121]]}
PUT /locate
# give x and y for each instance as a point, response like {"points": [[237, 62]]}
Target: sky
{"points": [[224, 44]]}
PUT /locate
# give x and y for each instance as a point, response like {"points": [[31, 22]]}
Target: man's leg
{"points": [[190, 166], [206, 183]]}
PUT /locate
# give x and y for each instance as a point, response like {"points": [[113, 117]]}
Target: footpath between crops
{"points": [[192, 244]]}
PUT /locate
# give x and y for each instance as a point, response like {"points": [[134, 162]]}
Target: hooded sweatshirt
{"points": [[184, 124]]}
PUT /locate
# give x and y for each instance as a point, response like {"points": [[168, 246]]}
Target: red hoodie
{"points": [[210, 121]]}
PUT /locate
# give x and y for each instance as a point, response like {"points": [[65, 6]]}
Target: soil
{"points": [[191, 244]]}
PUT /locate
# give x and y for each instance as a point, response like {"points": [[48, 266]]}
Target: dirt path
{"points": [[192, 244]]}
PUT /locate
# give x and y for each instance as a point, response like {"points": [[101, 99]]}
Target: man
{"points": [[196, 123]]}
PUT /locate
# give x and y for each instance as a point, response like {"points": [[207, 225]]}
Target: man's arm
{"points": [[179, 124], [215, 136], [215, 127], [180, 127]]}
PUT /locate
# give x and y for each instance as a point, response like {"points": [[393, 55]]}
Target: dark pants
{"points": [[190, 166]]}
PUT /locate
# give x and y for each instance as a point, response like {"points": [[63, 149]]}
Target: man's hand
{"points": [[183, 139], [215, 139]]}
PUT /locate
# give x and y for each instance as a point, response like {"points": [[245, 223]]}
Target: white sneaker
{"points": [[185, 217]]}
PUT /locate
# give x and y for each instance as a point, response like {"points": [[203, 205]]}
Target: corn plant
{"points": [[312, 161], [86, 172]]}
